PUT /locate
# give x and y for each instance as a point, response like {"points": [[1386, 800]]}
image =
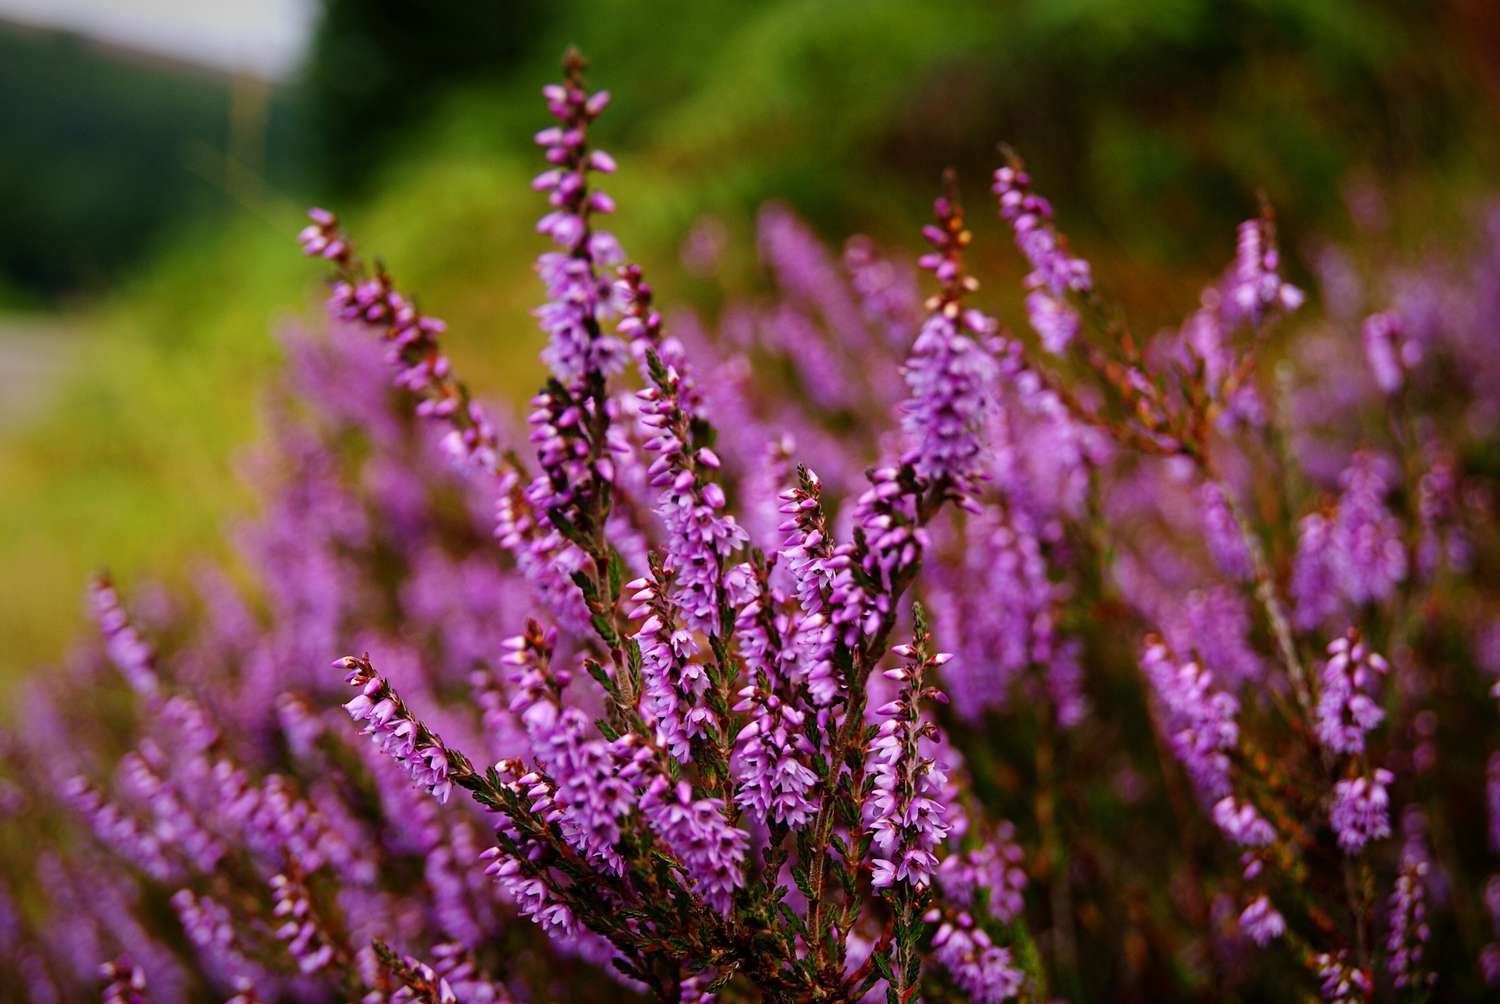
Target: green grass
{"points": [[1152, 127]]}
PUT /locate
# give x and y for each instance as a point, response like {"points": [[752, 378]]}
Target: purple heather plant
{"points": [[659, 744]]}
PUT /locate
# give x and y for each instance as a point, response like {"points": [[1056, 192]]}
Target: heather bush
{"points": [[845, 646]]}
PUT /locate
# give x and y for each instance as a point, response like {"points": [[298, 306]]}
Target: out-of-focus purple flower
{"points": [[1369, 558], [982, 970], [125, 983], [1361, 810], [1055, 271], [1381, 333], [905, 812], [1055, 321], [1347, 711], [1001, 606], [1242, 823], [208, 926], [1407, 929], [305, 941], [1444, 540], [1261, 923], [1339, 982], [1492, 798], [994, 869], [711, 849], [1215, 625], [118, 830], [1221, 531], [1256, 288], [1316, 597], [175, 823], [888, 292], [127, 650], [1199, 721]]}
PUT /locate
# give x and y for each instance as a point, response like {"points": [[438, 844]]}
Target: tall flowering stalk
{"points": [[905, 813]]}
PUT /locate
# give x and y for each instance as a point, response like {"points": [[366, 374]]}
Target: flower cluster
{"points": [[1347, 712], [906, 814], [1056, 272], [681, 758]]}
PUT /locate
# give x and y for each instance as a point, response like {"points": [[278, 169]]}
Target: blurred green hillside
{"points": [[1152, 125]]}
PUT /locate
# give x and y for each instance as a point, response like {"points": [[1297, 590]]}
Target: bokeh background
{"points": [[155, 156]]}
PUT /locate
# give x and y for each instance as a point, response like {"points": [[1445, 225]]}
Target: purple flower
{"points": [[981, 969], [125, 983], [951, 372], [807, 554], [775, 782], [1256, 288], [993, 870], [1261, 923], [394, 729], [710, 848], [1340, 982], [1361, 810], [1346, 710], [952, 379], [1315, 591], [1198, 720], [537, 687], [1408, 933], [127, 650], [578, 297], [1369, 559], [889, 540], [520, 872], [299, 928], [701, 537], [905, 813], [1030, 216], [591, 793], [1242, 823], [674, 686], [1221, 531]]}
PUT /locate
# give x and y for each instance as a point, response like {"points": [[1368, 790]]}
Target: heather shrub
{"points": [[846, 645]]}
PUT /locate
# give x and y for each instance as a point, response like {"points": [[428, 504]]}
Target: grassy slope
{"points": [[846, 109]]}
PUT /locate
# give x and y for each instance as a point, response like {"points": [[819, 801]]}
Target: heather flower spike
{"points": [[397, 732], [951, 372], [906, 815]]}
